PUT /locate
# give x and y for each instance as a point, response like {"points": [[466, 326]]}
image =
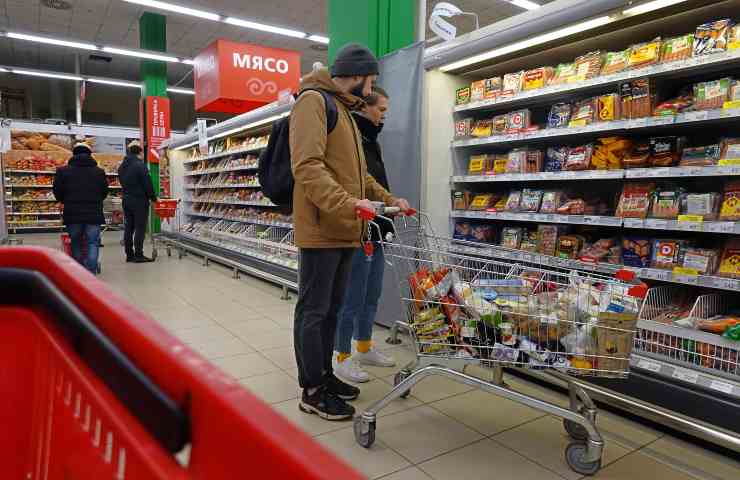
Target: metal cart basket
{"points": [[461, 310]]}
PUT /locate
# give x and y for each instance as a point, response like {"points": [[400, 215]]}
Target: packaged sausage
{"points": [[603, 250], [634, 202], [704, 205], [511, 237], [666, 203], [564, 73], [536, 78], [482, 128], [551, 201], [674, 106], [615, 62], [513, 201], [547, 236], [730, 264], [555, 158], [730, 208], [711, 95], [477, 164], [460, 200], [518, 120], [530, 201], [517, 159], [482, 202], [677, 48], [636, 251], [733, 41], [730, 150], [584, 113], [482, 233], [569, 246], [499, 124], [559, 115], [700, 156], [645, 54], [712, 37], [491, 88], [512, 84], [533, 162], [462, 128], [608, 107], [668, 253], [529, 241], [665, 151], [573, 206], [476, 90], [462, 231], [588, 66], [462, 96], [579, 158], [705, 261], [640, 99]]}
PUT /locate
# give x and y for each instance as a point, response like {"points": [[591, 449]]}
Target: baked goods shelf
{"points": [[47, 172], [698, 64], [222, 185], [32, 213], [240, 219], [225, 154], [232, 202], [220, 170], [613, 127]]}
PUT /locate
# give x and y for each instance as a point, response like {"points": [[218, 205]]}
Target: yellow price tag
{"points": [[577, 123], [685, 272], [731, 105], [690, 218], [729, 162]]}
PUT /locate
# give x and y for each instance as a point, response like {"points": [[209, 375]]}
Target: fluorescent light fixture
{"points": [[525, 4], [650, 6], [184, 91], [188, 61], [46, 74], [51, 41], [318, 39], [186, 146], [4, 69], [530, 42], [139, 54], [265, 28], [176, 8], [117, 83]]}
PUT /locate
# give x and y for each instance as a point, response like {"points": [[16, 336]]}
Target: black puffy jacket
{"points": [[81, 186], [135, 180]]}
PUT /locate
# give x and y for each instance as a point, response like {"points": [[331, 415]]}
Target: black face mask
{"points": [[380, 126], [357, 90]]}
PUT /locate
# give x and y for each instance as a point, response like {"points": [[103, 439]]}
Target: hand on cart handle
{"points": [[639, 290], [367, 211]]}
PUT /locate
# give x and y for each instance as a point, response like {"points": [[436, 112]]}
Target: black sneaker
{"points": [[326, 405], [142, 259], [342, 390]]}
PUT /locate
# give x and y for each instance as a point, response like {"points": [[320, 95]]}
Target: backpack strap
{"points": [[332, 115]]}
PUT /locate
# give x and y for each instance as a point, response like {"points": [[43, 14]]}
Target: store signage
{"points": [[235, 77], [443, 28], [156, 121], [202, 136]]}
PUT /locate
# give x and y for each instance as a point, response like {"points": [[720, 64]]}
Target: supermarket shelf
{"points": [[33, 213], [28, 186], [31, 200], [688, 375], [225, 154], [655, 172], [232, 202], [617, 126], [220, 170], [48, 172], [36, 227], [727, 59], [658, 224], [240, 219], [604, 221], [222, 185], [263, 256]]}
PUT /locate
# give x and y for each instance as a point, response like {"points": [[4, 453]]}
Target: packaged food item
{"points": [[712, 37], [603, 250], [462, 96], [529, 241], [555, 158], [614, 340], [462, 231], [512, 84], [705, 205], [518, 120], [640, 99], [638, 157], [573, 206], [547, 236], [636, 251], [588, 66], [536, 78], [700, 156], [733, 41], [668, 253], [499, 164], [513, 201], [477, 90], [579, 158], [481, 202], [564, 73], [666, 203], [674, 106], [551, 201], [511, 237], [530, 201], [569, 246], [678, 48], [491, 88], [460, 200], [704, 261], [608, 107], [609, 152], [634, 202], [665, 151], [500, 204], [718, 324], [584, 113], [477, 164], [711, 95], [730, 209], [533, 163], [645, 54], [517, 159], [559, 115], [462, 128], [482, 233], [729, 266], [499, 124], [482, 128], [615, 62], [733, 97]]}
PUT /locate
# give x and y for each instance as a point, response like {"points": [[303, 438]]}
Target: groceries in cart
{"points": [[525, 317]]}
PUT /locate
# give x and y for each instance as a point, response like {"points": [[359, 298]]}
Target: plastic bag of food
{"points": [[555, 158], [704, 205], [635, 200], [615, 62], [530, 201], [712, 37], [579, 158], [551, 201], [645, 54], [666, 203], [559, 116], [677, 48], [511, 237], [513, 201]]}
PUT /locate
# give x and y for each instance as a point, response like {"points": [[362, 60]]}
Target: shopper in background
{"points": [[331, 183], [357, 316], [81, 187], [138, 191]]}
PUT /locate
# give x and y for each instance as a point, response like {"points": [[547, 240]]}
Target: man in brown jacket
{"points": [[331, 183]]}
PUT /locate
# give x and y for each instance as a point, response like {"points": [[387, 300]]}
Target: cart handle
{"points": [[368, 214], [156, 411]]}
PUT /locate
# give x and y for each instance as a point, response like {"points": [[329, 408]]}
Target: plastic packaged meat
{"points": [[712, 37], [635, 200], [559, 115], [579, 158], [678, 48], [700, 156], [645, 54], [615, 62]]}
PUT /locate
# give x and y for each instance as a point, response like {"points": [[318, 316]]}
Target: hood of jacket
{"points": [[82, 160], [131, 158], [321, 80], [367, 128]]}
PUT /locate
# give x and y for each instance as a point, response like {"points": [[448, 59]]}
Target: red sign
{"points": [[157, 124], [235, 77]]}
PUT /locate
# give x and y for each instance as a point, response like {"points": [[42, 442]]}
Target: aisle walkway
{"points": [[444, 431]]}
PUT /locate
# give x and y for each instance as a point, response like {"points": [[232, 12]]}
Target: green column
{"points": [[382, 25], [153, 36]]}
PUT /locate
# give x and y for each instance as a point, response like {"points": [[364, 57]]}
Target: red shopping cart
{"points": [[90, 388], [67, 248]]}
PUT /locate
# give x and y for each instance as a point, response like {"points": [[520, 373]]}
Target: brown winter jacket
{"points": [[330, 171]]}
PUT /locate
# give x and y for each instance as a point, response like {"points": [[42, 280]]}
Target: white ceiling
{"points": [[115, 23]]}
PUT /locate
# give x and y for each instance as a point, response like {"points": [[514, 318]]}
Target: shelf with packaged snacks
{"points": [[223, 185], [598, 220], [232, 202], [12, 199], [8, 185], [541, 176], [226, 153], [688, 224], [256, 221], [32, 213], [15, 170], [220, 170]]}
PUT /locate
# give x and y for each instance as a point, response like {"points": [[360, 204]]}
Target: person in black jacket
{"points": [[357, 314], [82, 186], [138, 191]]}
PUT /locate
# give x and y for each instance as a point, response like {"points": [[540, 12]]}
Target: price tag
{"points": [[648, 365], [663, 120], [639, 173], [731, 105], [633, 223], [730, 161], [685, 375], [656, 224], [680, 273], [721, 386], [695, 116]]}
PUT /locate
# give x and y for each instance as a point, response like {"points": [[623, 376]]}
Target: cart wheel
{"points": [[574, 455], [169, 252], [400, 377], [154, 254], [365, 439], [575, 430]]}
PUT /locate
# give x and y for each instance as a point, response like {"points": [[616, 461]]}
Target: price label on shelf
{"points": [[720, 386], [648, 365], [685, 375], [655, 223], [639, 173], [633, 223], [693, 116], [730, 162], [681, 274]]}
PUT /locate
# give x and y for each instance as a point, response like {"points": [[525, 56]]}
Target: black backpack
{"points": [[275, 174]]}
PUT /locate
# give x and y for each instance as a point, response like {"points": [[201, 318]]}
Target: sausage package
{"points": [[636, 251], [678, 48], [635, 200], [712, 37]]}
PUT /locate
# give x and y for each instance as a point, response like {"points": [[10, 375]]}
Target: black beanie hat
{"points": [[354, 59]]}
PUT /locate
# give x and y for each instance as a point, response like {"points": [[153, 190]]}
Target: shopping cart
{"points": [[463, 310], [66, 242], [165, 209], [94, 390], [113, 213]]}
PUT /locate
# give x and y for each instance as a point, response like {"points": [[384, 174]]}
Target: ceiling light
{"points": [[265, 28], [185, 91], [4, 69], [140, 54], [188, 61], [51, 41], [117, 83], [530, 42], [186, 146], [651, 6], [525, 4], [176, 8], [319, 39], [46, 74]]}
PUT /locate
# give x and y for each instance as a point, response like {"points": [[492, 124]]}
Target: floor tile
{"points": [[222, 348], [181, 318], [273, 387], [311, 424], [435, 388], [692, 459], [283, 357], [202, 334], [637, 466], [629, 434], [411, 473], [486, 413], [252, 326], [374, 390], [423, 433], [268, 340], [485, 460], [376, 461], [246, 365]]}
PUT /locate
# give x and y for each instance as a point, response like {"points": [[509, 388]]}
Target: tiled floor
{"points": [[444, 430]]}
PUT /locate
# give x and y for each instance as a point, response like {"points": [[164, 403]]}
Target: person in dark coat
{"points": [[81, 187], [138, 191], [357, 314]]}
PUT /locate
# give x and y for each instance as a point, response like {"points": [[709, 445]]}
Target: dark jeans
{"points": [[136, 213], [89, 235], [323, 277]]}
